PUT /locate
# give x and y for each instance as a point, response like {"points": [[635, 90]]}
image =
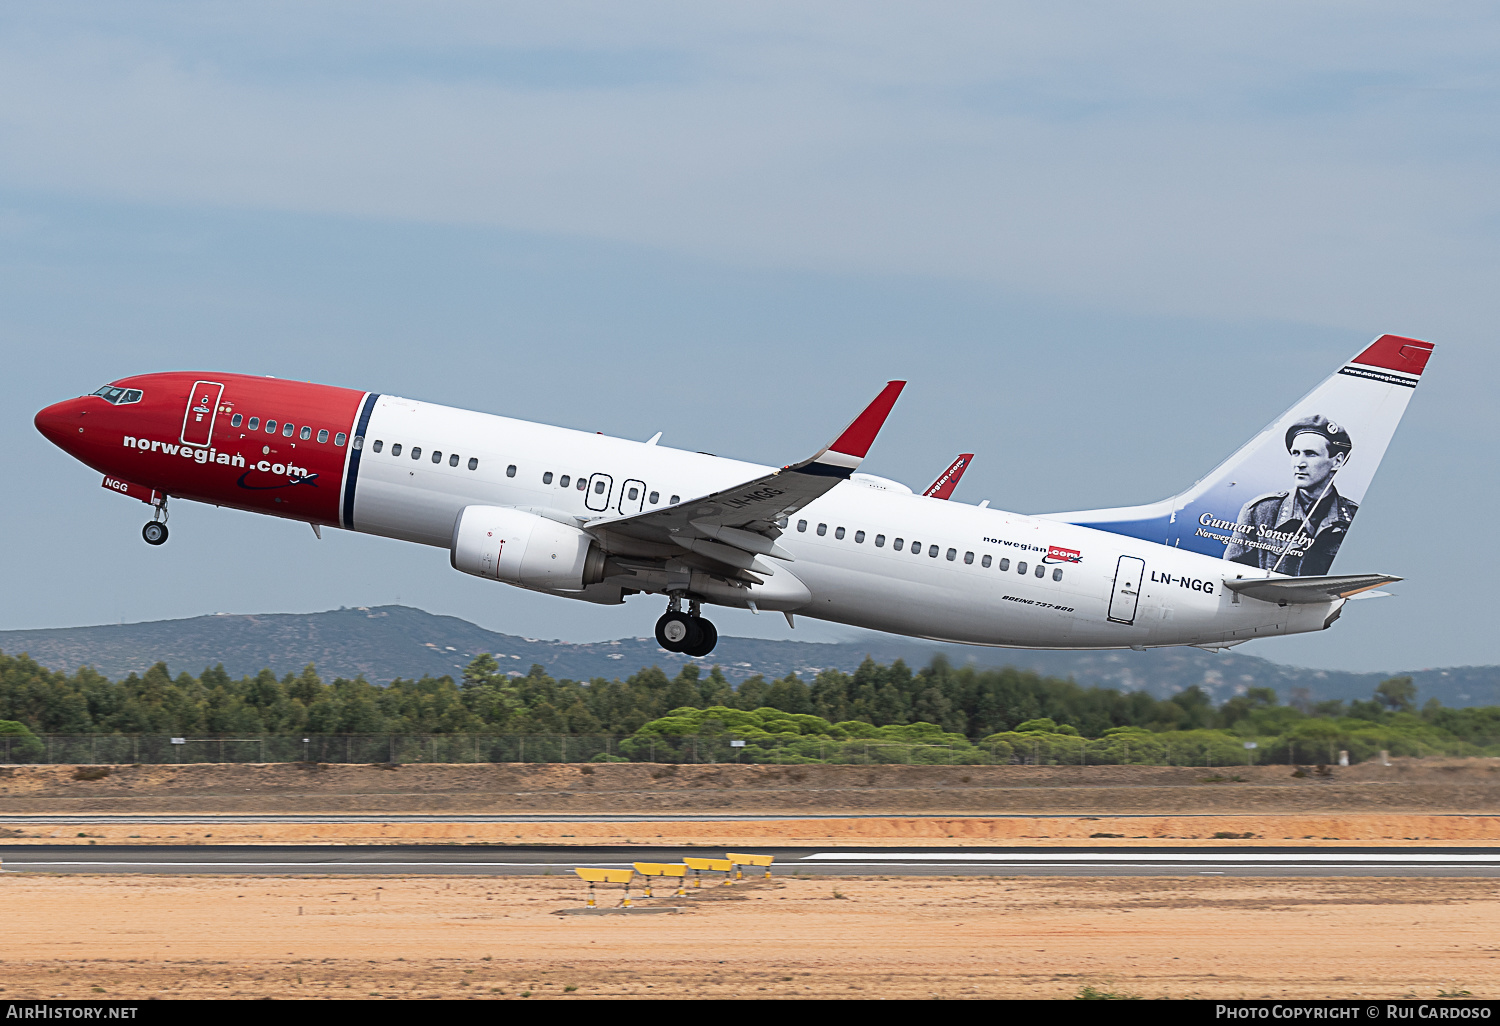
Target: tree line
{"points": [[966, 701]]}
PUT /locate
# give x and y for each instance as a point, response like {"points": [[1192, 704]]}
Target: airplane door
{"points": [[601, 486], [632, 497], [202, 408], [1122, 602]]}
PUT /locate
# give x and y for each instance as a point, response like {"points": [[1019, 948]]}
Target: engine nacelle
{"points": [[520, 548]]}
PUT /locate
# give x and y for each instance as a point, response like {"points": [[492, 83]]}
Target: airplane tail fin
{"points": [[1284, 502]]}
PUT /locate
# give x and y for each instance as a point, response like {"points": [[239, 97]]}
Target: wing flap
{"points": [[1305, 590]]}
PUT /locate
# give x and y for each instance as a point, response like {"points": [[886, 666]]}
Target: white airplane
{"points": [[1245, 553]]}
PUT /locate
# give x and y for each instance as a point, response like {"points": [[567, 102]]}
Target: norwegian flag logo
{"points": [[1058, 554]]}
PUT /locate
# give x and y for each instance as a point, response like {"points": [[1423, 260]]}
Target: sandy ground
{"points": [[1419, 786], [1411, 801], [1089, 831], [126, 938]]}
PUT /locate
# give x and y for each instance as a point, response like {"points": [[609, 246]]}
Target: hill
{"points": [[385, 642]]}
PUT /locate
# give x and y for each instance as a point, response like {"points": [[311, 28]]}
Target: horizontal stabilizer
{"points": [[1295, 590]]}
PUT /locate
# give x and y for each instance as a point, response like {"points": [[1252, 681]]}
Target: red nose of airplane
{"points": [[63, 423]]}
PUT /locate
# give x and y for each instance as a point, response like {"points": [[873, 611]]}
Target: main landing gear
{"points": [[155, 532], [688, 632]]}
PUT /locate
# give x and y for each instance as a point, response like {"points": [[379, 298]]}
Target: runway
{"points": [[536, 860]]}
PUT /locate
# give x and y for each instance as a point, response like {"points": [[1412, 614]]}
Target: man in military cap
{"points": [[1299, 531]]}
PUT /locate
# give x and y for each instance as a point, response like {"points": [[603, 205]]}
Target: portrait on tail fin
{"points": [[1298, 531]]}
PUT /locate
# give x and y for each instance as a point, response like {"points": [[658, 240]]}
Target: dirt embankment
{"points": [[133, 938], [1413, 786]]}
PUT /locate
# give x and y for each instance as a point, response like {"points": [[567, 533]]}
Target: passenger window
{"points": [[655, 497], [880, 541], [416, 452], [822, 530], [932, 550], [437, 457], [916, 548], [985, 562], [897, 544], [1005, 564], [952, 555], [453, 459], [323, 435], [547, 477], [377, 446], [287, 429], [235, 420], [859, 537], [253, 424], [307, 433], [633, 493], [510, 471], [598, 487], [270, 427], [473, 463], [838, 533], [675, 500], [564, 481], [396, 449], [1041, 571], [340, 438], [1057, 573], [1021, 567], [583, 484], [802, 525], [780, 523], [968, 557]]}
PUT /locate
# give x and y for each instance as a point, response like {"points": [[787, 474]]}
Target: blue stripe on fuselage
{"points": [[354, 454]]}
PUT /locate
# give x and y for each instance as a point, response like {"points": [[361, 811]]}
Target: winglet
{"points": [[943, 487], [844, 453]]}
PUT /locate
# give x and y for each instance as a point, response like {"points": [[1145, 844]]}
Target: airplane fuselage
{"points": [[867, 553]]}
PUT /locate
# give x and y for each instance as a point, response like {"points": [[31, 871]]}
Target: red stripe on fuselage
{"points": [[252, 470]]}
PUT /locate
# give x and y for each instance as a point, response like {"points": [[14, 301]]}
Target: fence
{"points": [[1204, 749]]}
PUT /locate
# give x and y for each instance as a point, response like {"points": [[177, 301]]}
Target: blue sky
{"points": [[1104, 244]]}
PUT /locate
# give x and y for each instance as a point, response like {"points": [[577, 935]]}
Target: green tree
{"points": [[1399, 694], [17, 743]]}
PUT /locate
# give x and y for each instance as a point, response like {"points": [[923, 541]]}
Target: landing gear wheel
{"points": [[155, 532], [708, 638], [677, 632]]}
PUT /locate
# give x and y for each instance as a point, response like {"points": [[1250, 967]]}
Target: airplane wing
{"points": [[943, 487], [730, 529], [1294, 590]]}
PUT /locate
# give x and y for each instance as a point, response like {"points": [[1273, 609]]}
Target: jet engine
{"points": [[511, 545]]}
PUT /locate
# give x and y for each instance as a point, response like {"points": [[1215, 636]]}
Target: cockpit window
{"points": [[119, 396]]}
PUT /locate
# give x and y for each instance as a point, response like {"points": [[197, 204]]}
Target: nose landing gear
{"points": [[688, 632], [155, 532]]}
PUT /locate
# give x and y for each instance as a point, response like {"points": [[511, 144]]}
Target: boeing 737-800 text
{"points": [[1245, 553]]}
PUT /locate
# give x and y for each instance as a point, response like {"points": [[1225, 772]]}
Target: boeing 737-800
{"points": [[1245, 553]]}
